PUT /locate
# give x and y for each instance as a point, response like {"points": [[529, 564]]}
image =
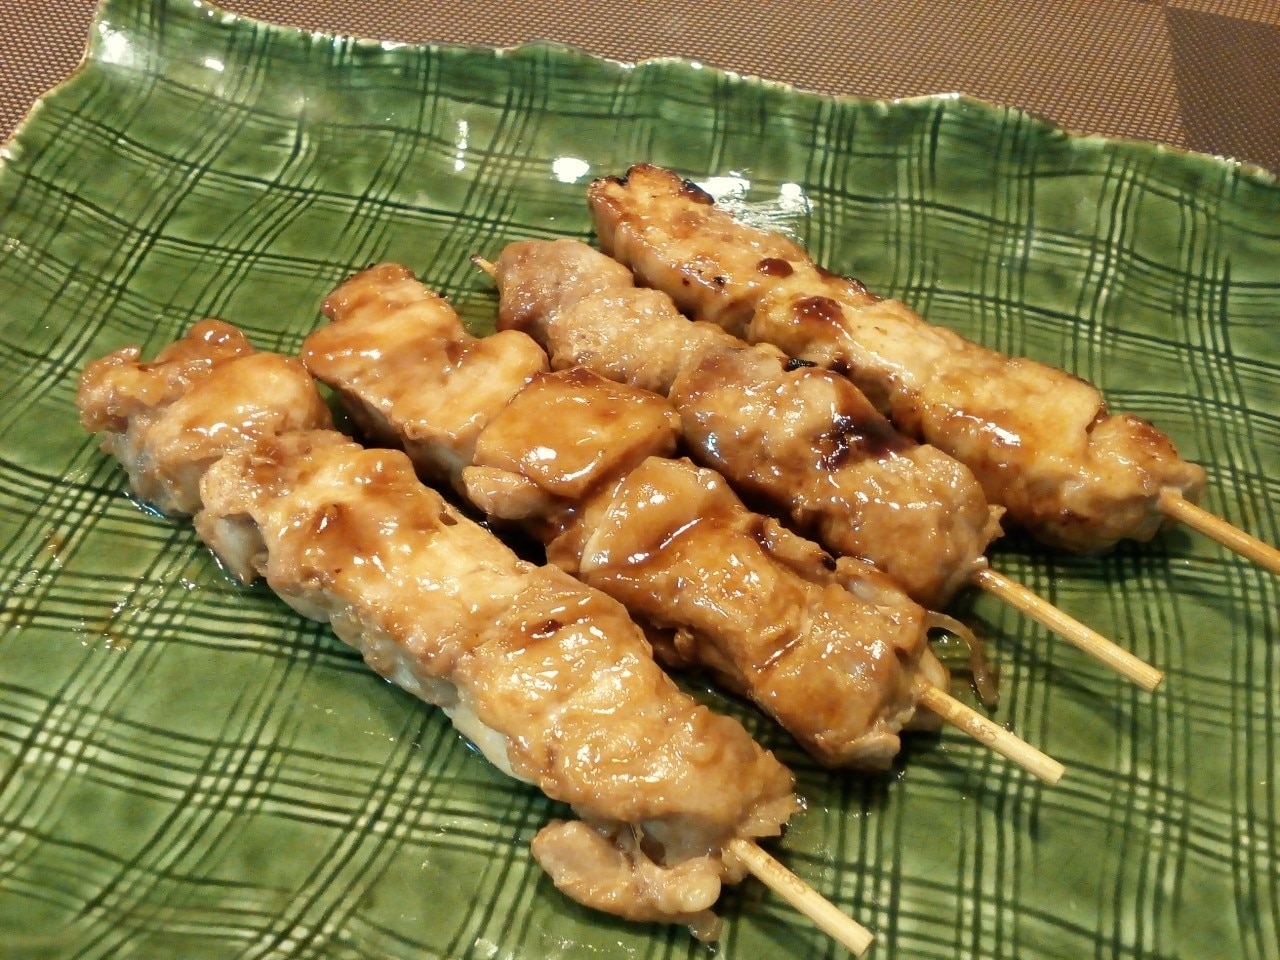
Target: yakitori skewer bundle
{"points": [[830, 648], [524, 659], [803, 439], [1040, 440]]}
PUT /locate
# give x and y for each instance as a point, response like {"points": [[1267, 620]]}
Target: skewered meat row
{"points": [[1040, 441], [831, 649], [804, 439], [549, 678]]}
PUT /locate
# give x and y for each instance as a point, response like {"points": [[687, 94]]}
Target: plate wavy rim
{"points": [[1246, 168]]}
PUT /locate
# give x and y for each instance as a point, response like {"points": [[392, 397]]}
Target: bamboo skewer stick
{"points": [[828, 918], [1172, 504], [821, 911], [991, 734], [1090, 641]]}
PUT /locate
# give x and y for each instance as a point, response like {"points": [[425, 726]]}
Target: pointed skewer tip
{"points": [[992, 734], [1173, 504], [1088, 640], [829, 918]]}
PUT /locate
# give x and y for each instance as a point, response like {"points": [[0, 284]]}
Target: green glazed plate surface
{"points": [[187, 769]]}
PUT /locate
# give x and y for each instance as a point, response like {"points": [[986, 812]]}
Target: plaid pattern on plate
{"points": [[189, 769]]}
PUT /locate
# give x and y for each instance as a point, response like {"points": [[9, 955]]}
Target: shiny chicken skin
{"points": [[549, 678], [803, 439], [1040, 440], [832, 650]]}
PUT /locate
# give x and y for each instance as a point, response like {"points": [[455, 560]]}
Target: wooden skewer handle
{"points": [[830, 920], [1172, 504], [1091, 642], [992, 734]]}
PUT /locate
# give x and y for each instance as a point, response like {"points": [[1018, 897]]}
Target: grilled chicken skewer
{"points": [[830, 648], [524, 659], [1040, 441], [803, 439], [581, 461]]}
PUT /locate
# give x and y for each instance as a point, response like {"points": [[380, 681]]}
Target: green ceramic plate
{"points": [[189, 770]]}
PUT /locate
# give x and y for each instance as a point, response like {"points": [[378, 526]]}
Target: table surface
{"points": [[1200, 74]]}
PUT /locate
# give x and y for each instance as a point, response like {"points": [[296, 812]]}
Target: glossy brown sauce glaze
{"points": [[1040, 441], [168, 419], [550, 678], [816, 310], [774, 267], [568, 431], [672, 542], [804, 440], [473, 378], [680, 550], [621, 224]]}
